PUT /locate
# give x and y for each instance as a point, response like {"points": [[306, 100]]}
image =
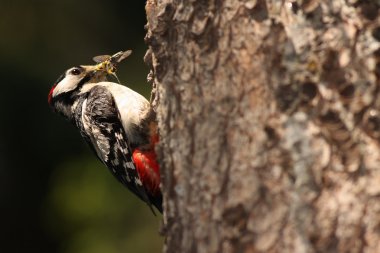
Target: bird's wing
{"points": [[101, 120]]}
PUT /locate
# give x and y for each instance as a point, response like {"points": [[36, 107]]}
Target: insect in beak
{"points": [[107, 63]]}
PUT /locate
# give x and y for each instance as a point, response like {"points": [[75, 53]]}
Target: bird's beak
{"points": [[101, 70], [90, 68], [97, 73]]}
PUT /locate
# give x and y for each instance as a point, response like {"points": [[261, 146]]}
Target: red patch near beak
{"points": [[51, 94]]}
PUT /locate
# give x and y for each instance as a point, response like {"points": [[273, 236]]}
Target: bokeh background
{"points": [[55, 196]]}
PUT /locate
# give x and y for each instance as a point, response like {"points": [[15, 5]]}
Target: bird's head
{"points": [[73, 79]]}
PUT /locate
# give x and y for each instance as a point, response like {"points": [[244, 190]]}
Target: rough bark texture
{"points": [[269, 117]]}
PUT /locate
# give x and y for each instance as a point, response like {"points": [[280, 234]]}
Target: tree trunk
{"points": [[269, 121]]}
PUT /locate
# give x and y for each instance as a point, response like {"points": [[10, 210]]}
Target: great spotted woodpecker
{"points": [[118, 124]]}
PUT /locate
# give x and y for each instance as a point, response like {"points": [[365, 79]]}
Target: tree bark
{"points": [[269, 121]]}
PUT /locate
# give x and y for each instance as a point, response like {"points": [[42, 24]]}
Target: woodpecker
{"points": [[117, 122]]}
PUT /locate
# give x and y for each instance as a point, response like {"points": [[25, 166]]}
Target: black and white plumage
{"points": [[113, 119]]}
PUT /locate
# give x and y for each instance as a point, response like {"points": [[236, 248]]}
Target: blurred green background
{"points": [[55, 196]]}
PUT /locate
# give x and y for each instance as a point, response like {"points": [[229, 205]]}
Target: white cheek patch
{"points": [[68, 83]]}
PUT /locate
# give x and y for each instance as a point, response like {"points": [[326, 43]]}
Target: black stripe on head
{"points": [[60, 78], [85, 79], [77, 70]]}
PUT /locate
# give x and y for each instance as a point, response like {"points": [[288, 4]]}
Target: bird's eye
{"points": [[75, 71]]}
